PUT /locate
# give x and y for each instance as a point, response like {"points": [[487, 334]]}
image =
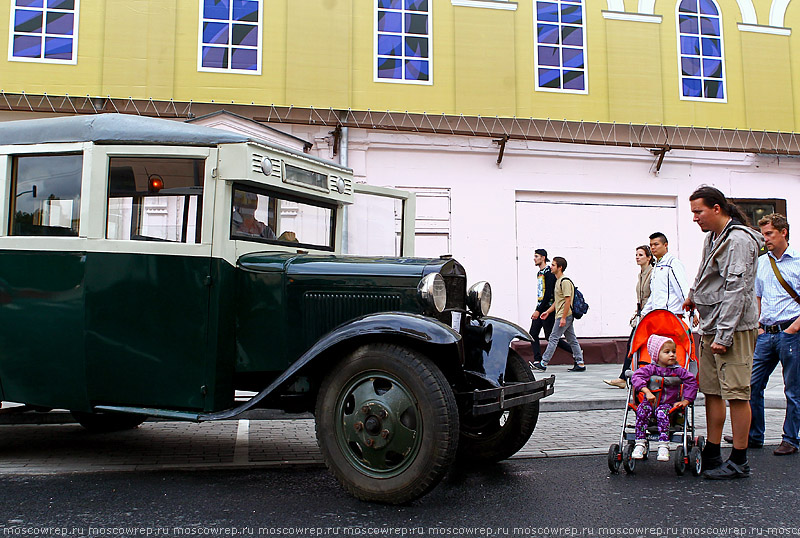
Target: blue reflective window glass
{"points": [[27, 46], [692, 87], [572, 58], [712, 89], [712, 68], [245, 10], [417, 47], [215, 57], [61, 4], [707, 7], [572, 35], [417, 5], [550, 78], [549, 56], [28, 21], [417, 70], [390, 45], [709, 26], [547, 11], [245, 34], [690, 66], [574, 80], [690, 45], [30, 3], [390, 4], [58, 48], [571, 14], [246, 59], [548, 33], [59, 22], [215, 33], [216, 9], [711, 47], [687, 24], [416, 24], [688, 6], [389, 21], [390, 68]]}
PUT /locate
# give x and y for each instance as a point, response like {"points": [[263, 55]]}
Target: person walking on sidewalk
{"points": [[724, 295], [564, 292], [668, 283], [644, 259], [545, 286], [777, 280]]}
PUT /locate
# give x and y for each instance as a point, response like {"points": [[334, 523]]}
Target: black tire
{"points": [[498, 436], [696, 460], [614, 459], [387, 423], [628, 463], [679, 460], [107, 422]]}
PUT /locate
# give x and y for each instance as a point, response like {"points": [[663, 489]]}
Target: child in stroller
{"points": [[669, 398]]}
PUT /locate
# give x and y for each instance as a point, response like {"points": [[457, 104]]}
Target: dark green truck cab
{"points": [[150, 268]]}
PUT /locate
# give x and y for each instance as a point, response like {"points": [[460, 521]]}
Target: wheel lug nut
{"points": [[365, 409], [369, 442], [385, 434], [358, 426], [383, 414]]}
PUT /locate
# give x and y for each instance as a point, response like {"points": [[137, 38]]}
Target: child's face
{"points": [[668, 355]]}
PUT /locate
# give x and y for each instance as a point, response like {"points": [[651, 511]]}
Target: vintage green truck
{"points": [[154, 268]]}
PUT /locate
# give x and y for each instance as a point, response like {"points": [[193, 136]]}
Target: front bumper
{"points": [[483, 402]]}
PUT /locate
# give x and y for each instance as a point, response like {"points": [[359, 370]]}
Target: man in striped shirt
{"points": [[778, 339]]}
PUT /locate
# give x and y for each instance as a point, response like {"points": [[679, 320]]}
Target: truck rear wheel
{"points": [[498, 436], [387, 423]]}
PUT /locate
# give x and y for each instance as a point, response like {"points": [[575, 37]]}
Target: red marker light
{"points": [[156, 183]]}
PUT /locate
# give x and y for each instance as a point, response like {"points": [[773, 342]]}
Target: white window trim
{"points": [[230, 70], [486, 4], [722, 56], [759, 29], [73, 61], [585, 90], [632, 17], [375, 78]]}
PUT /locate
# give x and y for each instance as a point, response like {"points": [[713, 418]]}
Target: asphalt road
{"points": [[569, 496]]}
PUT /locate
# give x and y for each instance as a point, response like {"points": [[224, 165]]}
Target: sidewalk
{"points": [[583, 416]]}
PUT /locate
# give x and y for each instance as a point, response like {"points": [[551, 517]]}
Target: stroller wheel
{"points": [[700, 442], [679, 460], [628, 463], [614, 458], [696, 460]]}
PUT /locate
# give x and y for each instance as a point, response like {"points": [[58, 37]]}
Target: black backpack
{"points": [[579, 304]]}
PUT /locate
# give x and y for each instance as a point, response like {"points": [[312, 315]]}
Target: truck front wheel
{"points": [[387, 423]]}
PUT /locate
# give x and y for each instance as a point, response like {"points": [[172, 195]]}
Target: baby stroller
{"points": [[689, 453]]}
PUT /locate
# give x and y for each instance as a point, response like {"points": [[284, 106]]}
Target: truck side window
{"points": [[155, 199], [46, 195]]}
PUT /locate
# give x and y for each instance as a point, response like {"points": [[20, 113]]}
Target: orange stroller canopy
{"points": [[664, 323]]}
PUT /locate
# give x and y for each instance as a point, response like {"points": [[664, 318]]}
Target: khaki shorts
{"points": [[728, 375]]}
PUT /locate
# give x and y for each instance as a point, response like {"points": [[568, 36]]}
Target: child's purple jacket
{"points": [[672, 393]]}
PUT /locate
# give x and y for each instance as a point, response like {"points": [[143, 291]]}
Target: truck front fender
{"points": [[490, 363]]}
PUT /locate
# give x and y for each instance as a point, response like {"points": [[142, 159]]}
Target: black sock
{"points": [[738, 456], [711, 451]]}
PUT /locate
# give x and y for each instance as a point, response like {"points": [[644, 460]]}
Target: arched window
{"points": [[700, 50], [560, 46]]}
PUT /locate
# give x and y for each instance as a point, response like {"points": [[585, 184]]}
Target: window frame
{"points": [[702, 78], [230, 70], [376, 56], [44, 9], [584, 49], [280, 195]]}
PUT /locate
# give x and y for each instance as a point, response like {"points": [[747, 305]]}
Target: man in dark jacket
{"points": [[545, 286]]}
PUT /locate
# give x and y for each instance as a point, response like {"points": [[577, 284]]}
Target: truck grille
{"points": [[324, 311]]}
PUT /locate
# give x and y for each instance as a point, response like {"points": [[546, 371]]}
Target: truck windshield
{"points": [[277, 218]]}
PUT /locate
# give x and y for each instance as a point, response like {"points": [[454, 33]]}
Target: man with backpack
{"points": [[565, 294]]}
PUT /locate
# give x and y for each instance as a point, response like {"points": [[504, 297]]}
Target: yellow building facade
{"points": [[483, 57]]}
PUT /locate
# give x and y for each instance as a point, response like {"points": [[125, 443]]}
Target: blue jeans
{"points": [[771, 349], [569, 335]]}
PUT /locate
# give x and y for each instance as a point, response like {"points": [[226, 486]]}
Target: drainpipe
{"points": [[343, 162]]}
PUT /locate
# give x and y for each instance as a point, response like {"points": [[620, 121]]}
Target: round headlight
{"points": [[479, 298], [432, 292]]}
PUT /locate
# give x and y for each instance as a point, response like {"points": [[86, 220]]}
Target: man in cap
{"points": [[545, 286]]}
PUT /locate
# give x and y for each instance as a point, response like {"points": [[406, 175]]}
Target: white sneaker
{"points": [[638, 451], [663, 452]]}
